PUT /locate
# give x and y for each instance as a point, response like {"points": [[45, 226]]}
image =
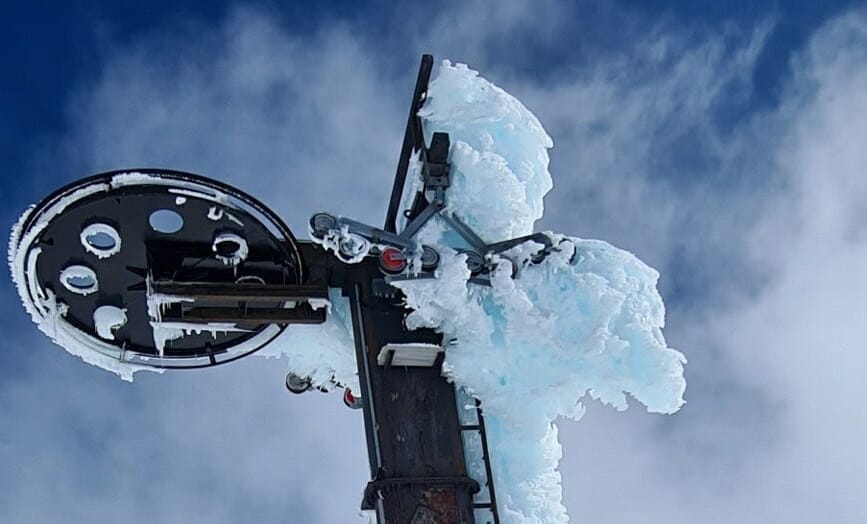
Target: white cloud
{"points": [[802, 336]]}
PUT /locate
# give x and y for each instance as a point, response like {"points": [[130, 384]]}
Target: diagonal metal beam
{"points": [[413, 140]]}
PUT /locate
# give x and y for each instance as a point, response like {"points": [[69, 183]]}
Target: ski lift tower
{"points": [[165, 269]]}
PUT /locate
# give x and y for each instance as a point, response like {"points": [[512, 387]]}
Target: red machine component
{"points": [[392, 260], [351, 401]]}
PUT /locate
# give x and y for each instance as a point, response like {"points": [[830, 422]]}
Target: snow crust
{"points": [[584, 323], [325, 352]]}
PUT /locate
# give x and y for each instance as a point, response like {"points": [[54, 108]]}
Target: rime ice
{"points": [[499, 155], [326, 352], [587, 321]]}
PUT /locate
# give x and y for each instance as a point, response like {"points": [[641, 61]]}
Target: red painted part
{"points": [[392, 260], [350, 400]]}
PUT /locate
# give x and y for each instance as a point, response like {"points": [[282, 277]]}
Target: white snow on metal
{"points": [[101, 240], [411, 355], [79, 279], [107, 319]]}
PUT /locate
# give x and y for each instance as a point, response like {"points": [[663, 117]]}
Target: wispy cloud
{"points": [[769, 218]]}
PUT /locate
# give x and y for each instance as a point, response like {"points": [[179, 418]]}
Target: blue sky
{"points": [[722, 143]]}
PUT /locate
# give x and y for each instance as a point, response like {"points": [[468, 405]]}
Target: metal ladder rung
{"points": [[486, 458]]}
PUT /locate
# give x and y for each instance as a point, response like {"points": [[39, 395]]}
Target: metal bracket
{"points": [[374, 487], [243, 303]]}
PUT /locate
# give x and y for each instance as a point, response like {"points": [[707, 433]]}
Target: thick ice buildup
{"points": [[493, 137], [585, 321], [323, 352]]}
